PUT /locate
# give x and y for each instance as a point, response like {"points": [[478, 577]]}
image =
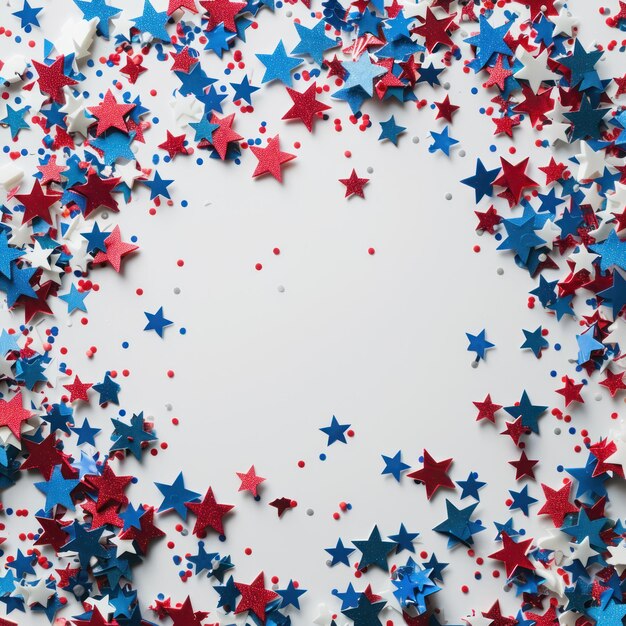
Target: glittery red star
{"points": [[445, 109], [434, 475], [110, 114], [52, 79], [174, 5], [496, 617], [132, 69], [250, 481], [538, 7], [553, 171], [109, 487], [487, 409], [515, 430], [621, 85], [549, 618], [255, 597], [185, 615], [505, 124], [183, 61], [435, 31], [613, 382], [45, 455], [51, 171], [78, 390], [13, 414], [335, 67], [557, 504], [97, 193], [148, 533], [116, 249], [222, 12], [354, 185], [66, 574], [524, 467], [514, 179], [209, 513], [224, 134], [488, 220], [37, 203], [571, 391], [305, 107], [513, 555], [108, 515], [271, 159], [174, 144]]}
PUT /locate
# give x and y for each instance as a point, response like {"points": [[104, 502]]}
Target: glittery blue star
{"points": [[58, 489], [278, 65], [152, 22], [488, 42], [313, 41], [612, 252], [361, 73], [374, 550], [98, 9], [15, 120]]}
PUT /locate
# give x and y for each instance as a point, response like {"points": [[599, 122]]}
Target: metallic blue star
{"points": [[615, 295], [587, 344]]}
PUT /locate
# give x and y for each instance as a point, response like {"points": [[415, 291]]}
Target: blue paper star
{"points": [[521, 500], [157, 322], [339, 554], [58, 490], [175, 496], [470, 486], [394, 465], [390, 130], [529, 412], [479, 344], [85, 543], [86, 433], [374, 550], [95, 239], [15, 120], [108, 390], [335, 432], [482, 181], [158, 186], [442, 141], [404, 540], [75, 300], [28, 15], [243, 90], [534, 341], [290, 596], [203, 560]]}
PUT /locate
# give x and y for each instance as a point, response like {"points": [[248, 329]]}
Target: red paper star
{"points": [[96, 619], [174, 5], [255, 597], [250, 481], [52, 535], [183, 61], [52, 79], [148, 533], [222, 12], [524, 467], [13, 414], [116, 249], [305, 107], [271, 159], [185, 615], [45, 455], [434, 475], [38, 304], [435, 31], [487, 409], [571, 391], [78, 390], [37, 203], [132, 70], [557, 504], [536, 105], [209, 513], [110, 487], [174, 144], [110, 114], [354, 185], [513, 555], [223, 135], [445, 109], [281, 505], [513, 178], [97, 193]]}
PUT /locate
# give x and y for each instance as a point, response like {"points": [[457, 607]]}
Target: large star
{"points": [[271, 159], [13, 414], [52, 79], [110, 114], [513, 555], [255, 597], [434, 475], [305, 107], [37, 203]]}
